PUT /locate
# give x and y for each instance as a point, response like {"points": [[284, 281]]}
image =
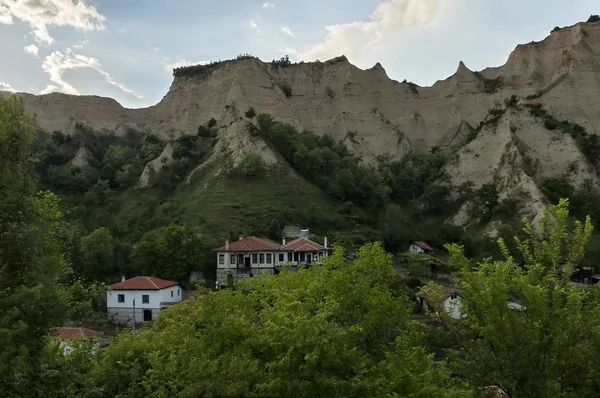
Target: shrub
{"points": [[203, 132], [556, 29], [287, 90], [251, 166], [551, 123], [511, 102], [212, 123], [250, 113], [283, 62], [243, 56], [536, 110], [491, 86], [594, 18]]}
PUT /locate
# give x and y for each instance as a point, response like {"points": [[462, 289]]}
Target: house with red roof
{"points": [[251, 256], [140, 299], [421, 247], [68, 334]]}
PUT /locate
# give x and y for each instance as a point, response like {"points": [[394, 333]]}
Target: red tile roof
{"points": [[446, 292], [67, 333], [424, 246], [143, 283], [249, 244], [302, 245]]}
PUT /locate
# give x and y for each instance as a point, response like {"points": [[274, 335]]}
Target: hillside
{"points": [[475, 150]]}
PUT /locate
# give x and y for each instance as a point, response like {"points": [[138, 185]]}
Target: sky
{"points": [[126, 49]]}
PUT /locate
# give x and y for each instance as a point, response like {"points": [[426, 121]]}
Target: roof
{"points": [[68, 333], [446, 292], [249, 244], [302, 245], [143, 283], [424, 245]]}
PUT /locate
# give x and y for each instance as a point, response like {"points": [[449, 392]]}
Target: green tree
{"points": [[173, 252], [336, 330], [97, 251], [548, 345], [32, 234], [250, 113]]}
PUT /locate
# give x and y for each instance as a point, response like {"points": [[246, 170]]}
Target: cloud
{"points": [[254, 25], [169, 65], [58, 63], [6, 86], [269, 5], [288, 31], [123, 31], [355, 39], [41, 14], [81, 43], [31, 49]]}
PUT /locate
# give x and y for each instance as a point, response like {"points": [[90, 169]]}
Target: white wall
{"points": [[415, 249], [156, 297], [452, 307]]}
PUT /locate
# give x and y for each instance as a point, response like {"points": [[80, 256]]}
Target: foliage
{"points": [[250, 113], [484, 203], [173, 252], [212, 123], [491, 86], [594, 18], [97, 250], [251, 166], [286, 89], [283, 62], [336, 330], [548, 346], [32, 234], [556, 29]]}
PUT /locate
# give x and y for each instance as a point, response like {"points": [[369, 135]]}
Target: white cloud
{"points": [[254, 25], [81, 43], [41, 14], [288, 31], [123, 31], [169, 65], [31, 49], [355, 39], [269, 5], [58, 63], [6, 86]]}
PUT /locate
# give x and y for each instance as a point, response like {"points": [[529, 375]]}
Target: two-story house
{"points": [[252, 256], [143, 296]]}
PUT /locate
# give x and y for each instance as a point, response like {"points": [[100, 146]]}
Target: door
{"points": [[247, 262], [147, 315]]}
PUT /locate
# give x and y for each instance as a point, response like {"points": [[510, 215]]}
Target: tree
{"points": [[32, 233], [173, 252], [97, 251], [594, 18], [548, 343], [336, 330]]}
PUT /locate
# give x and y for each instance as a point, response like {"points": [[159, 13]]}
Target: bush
{"points": [[283, 62], [251, 166], [556, 29], [551, 123], [511, 102], [491, 86], [212, 123], [329, 92], [250, 113], [287, 90], [594, 18]]}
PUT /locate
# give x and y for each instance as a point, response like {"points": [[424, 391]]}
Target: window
{"points": [[232, 259], [221, 259], [172, 293], [178, 292], [254, 258], [145, 298], [290, 257], [262, 258], [121, 298], [281, 257], [454, 296], [269, 258], [302, 257]]}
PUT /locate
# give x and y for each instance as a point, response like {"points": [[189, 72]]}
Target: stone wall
{"points": [[239, 275], [125, 315]]}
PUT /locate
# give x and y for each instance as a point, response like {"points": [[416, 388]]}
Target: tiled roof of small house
{"points": [[68, 333], [302, 245], [143, 283], [249, 244], [446, 292], [424, 245]]}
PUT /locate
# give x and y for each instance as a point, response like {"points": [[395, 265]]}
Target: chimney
{"points": [[283, 241], [241, 237], [226, 245], [325, 243], [123, 278]]}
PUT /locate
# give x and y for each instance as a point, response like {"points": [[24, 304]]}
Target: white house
{"points": [[68, 334], [452, 303], [252, 256], [143, 295], [420, 248]]}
